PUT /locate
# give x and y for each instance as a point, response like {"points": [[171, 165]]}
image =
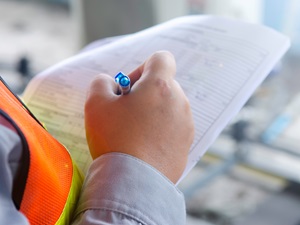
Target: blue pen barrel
{"points": [[118, 76], [124, 83]]}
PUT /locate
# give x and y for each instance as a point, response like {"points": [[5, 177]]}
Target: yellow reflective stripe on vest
{"points": [[77, 181]]}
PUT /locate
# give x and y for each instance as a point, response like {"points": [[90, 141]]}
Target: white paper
{"points": [[220, 62]]}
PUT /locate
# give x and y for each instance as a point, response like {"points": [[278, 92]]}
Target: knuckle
{"points": [[163, 86]]}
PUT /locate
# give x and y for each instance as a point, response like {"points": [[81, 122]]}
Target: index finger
{"points": [[160, 65]]}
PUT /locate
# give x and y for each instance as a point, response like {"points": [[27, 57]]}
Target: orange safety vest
{"points": [[49, 182]]}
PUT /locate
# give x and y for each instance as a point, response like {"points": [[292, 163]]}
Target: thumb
{"points": [[103, 88]]}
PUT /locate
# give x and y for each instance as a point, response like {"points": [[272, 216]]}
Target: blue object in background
{"points": [[284, 16], [274, 12], [276, 128]]}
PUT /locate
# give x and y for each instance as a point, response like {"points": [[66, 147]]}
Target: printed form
{"points": [[220, 62]]}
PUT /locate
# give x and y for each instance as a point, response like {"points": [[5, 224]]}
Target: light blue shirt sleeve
{"points": [[118, 189], [121, 189]]}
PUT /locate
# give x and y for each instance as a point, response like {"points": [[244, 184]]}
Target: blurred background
{"points": [[251, 174]]}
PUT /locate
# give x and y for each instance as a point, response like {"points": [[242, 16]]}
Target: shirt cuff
{"points": [[123, 184]]}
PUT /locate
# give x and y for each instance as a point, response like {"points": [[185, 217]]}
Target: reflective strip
{"points": [[73, 197]]}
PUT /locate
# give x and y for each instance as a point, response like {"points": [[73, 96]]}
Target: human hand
{"points": [[153, 122]]}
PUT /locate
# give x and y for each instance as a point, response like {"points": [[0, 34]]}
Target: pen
{"points": [[124, 83]]}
